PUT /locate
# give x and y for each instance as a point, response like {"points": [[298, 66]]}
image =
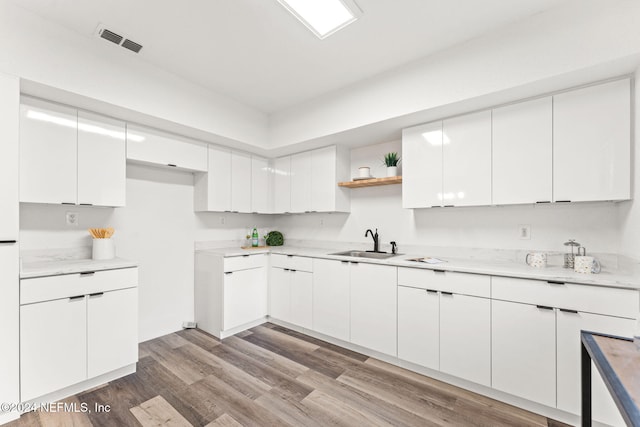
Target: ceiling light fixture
{"points": [[323, 17]]}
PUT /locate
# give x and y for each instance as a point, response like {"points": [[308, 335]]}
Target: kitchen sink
{"points": [[365, 254]]}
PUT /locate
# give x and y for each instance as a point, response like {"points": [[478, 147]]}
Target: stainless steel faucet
{"points": [[376, 242]]}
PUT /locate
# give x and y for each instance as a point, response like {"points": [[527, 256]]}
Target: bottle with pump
{"points": [[255, 239]]}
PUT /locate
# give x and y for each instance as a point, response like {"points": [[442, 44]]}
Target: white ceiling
{"points": [[255, 52]]}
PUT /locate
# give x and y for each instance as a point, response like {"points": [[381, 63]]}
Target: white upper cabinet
{"points": [[592, 143], [9, 125], [282, 184], [329, 165], [102, 175], [301, 182], [153, 147], [422, 166], [48, 152], [466, 154], [240, 182], [212, 191], [260, 185], [522, 152]]}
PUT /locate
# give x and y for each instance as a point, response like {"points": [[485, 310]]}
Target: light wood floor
{"points": [[272, 376]]}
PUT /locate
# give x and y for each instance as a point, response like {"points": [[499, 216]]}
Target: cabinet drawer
{"points": [[590, 299], [292, 262], [244, 262], [69, 285], [447, 281]]}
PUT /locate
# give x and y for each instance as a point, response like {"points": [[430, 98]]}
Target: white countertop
{"points": [[54, 268], [622, 275]]}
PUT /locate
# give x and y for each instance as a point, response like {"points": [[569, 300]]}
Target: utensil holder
{"points": [[103, 249]]}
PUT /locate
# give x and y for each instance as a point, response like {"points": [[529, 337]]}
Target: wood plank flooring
{"points": [[272, 376]]}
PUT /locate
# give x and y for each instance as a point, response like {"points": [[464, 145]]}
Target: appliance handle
{"points": [[8, 242]]}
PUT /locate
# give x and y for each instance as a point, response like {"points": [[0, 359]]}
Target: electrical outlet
{"points": [[222, 220], [321, 222], [524, 231], [72, 218]]}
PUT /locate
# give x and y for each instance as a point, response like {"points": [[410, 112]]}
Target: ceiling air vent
{"points": [[121, 41]]}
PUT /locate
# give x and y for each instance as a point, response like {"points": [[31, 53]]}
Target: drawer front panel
{"points": [[571, 296], [447, 281], [69, 285], [244, 262]]}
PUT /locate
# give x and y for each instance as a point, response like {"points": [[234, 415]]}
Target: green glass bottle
{"points": [[255, 239]]}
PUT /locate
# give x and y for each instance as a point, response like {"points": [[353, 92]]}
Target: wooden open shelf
{"points": [[371, 182]]}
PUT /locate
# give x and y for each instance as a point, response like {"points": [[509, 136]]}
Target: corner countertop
{"points": [[622, 274], [55, 267]]}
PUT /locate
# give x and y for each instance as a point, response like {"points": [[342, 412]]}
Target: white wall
{"points": [[38, 50], [157, 229], [576, 36], [595, 225]]}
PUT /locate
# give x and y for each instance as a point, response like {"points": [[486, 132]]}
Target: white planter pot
{"points": [[392, 171]]}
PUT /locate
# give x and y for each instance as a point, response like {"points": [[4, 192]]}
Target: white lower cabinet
{"points": [[373, 308], [331, 298], [524, 351], [570, 323], [291, 296], [112, 341], [245, 297], [419, 326], [53, 346], [465, 337], [231, 293], [65, 341]]}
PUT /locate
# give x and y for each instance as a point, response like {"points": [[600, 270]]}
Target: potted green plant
{"points": [[391, 160]]}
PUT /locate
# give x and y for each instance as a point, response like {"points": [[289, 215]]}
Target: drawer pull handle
{"points": [[171, 165], [97, 294], [76, 298], [228, 272], [431, 291], [293, 271], [355, 262], [439, 271], [543, 201], [345, 262], [563, 201], [544, 307], [86, 204], [286, 269], [290, 256], [7, 242], [68, 203], [447, 293], [246, 255], [552, 282], [87, 273], [449, 206], [566, 310]]}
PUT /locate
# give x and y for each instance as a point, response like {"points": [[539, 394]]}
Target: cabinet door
{"points": [[245, 297], [374, 307], [422, 166], [323, 179], [331, 298], [280, 294], [218, 186], [260, 188], [467, 160], [282, 185], [592, 143], [53, 346], [419, 326], [568, 343], [102, 176], [523, 353], [301, 182], [48, 152], [9, 323], [240, 182], [112, 332], [158, 148], [522, 152], [301, 298], [465, 337], [9, 124]]}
